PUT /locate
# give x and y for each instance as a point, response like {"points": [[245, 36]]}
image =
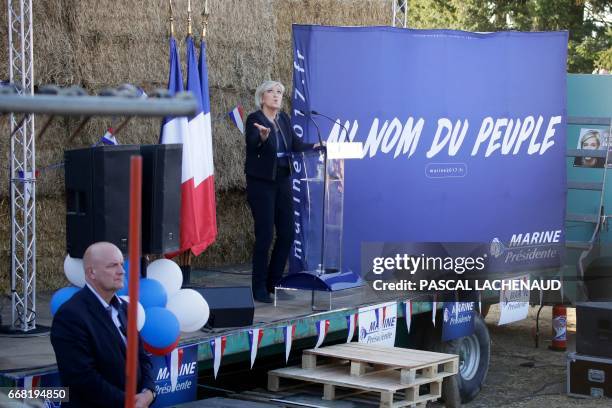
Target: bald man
{"points": [[89, 337]]}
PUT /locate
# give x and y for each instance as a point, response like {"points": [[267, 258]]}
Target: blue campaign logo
{"points": [[457, 320], [176, 376]]}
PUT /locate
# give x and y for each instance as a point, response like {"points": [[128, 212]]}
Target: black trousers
{"points": [[271, 205]]}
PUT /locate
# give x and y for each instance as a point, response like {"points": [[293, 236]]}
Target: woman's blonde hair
{"points": [[591, 134], [266, 86]]}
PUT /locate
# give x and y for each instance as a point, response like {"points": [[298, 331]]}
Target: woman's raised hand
{"points": [[264, 132]]}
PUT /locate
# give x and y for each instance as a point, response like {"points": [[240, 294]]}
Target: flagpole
{"points": [[189, 18], [185, 258], [171, 19], [205, 15]]}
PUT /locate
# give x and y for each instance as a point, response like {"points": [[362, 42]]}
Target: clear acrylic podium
{"points": [[322, 224]]}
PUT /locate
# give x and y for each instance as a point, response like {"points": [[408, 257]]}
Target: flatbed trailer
{"points": [[23, 357]]}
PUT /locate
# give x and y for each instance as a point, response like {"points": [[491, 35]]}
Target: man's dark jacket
{"points": [[91, 354], [261, 160]]}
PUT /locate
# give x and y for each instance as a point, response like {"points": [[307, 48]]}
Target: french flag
{"points": [[408, 314], [434, 309], [174, 361], [380, 323], [209, 233], [198, 215], [217, 346], [288, 333], [322, 328], [31, 382], [255, 336], [237, 116], [351, 324], [109, 138]]}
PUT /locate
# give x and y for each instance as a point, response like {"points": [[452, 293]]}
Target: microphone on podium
{"points": [[316, 113]]}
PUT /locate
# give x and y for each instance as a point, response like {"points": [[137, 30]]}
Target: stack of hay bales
{"points": [[104, 43]]}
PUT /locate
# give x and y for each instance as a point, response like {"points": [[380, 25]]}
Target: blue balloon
{"points": [[61, 296], [152, 294], [161, 327]]}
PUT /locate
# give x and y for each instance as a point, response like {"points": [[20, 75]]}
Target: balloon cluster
{"points": [[164, 309]]}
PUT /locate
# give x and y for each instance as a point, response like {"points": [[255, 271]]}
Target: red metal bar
{"points": [[134, 275]]}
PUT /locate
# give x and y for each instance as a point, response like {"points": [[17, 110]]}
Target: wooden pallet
{"points": [[396, 374]]}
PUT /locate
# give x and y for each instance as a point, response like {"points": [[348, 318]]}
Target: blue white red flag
{"points": [[434, 309], [217, 346], [408, 314], [351, 324], [198, 227], [109, 138], [208, 231], [322, 328], [237, 116], [174, 360], [31, 382], [255, 336], [288, 333]]}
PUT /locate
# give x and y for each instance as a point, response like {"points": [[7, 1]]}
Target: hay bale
{"points": [[228, 142], [235, 232], [50, 243]]}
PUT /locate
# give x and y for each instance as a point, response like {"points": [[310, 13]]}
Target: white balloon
{"points": [[73, 268], [141, 316], [190, 308], [168, 273]]}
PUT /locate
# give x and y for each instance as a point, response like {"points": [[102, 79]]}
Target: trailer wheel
{"points": [[474, 354]]}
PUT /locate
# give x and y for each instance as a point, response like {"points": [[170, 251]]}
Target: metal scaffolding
{"points": [[23, 177], [400, 13]]}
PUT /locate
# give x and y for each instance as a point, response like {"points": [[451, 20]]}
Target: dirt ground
{"points": [[521, 375]]}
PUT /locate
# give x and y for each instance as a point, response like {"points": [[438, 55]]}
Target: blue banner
{"points": [[457, 320], [463, 137], [176, 376]]}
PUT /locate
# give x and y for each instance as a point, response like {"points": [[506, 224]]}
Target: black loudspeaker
{"points": [[97, 197], [594, 329], [229, 306], [161, 197], [598, 279]]}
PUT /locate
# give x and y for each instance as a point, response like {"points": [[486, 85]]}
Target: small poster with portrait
{"points": [[592, 139]]}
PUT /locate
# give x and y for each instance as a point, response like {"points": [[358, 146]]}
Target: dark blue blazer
{"points": [[91, 355], [261, 158]]}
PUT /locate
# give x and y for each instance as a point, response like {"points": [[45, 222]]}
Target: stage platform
{"points": [[22, 356], [33, 355]]}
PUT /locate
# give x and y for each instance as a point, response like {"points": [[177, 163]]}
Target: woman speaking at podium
{"points": [[270, 140]]}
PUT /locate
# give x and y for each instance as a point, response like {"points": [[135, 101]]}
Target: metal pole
{"points": [[134, 273], [400, 13], [23, 189]]}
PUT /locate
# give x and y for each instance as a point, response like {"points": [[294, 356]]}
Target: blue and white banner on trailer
{"points": [[463, 138], [176, 376], [457, 320], [378, 324], [514, 301]]}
